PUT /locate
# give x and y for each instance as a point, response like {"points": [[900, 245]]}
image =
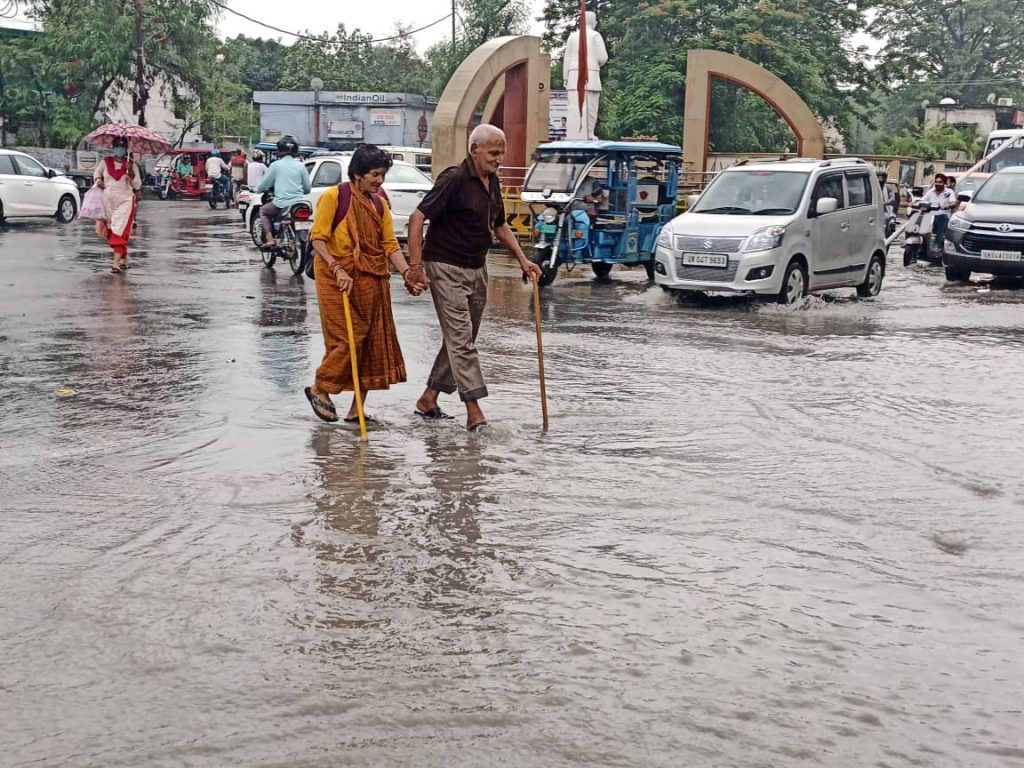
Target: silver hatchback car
{"points": [[779, 229]]}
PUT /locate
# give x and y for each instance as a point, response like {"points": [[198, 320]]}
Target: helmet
{"points": [[882, 173], [214, 153], [287, 145]]}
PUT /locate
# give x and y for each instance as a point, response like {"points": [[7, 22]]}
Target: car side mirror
{"points": [[965, 197], [827, 205], [51, 174], [691, 201]]}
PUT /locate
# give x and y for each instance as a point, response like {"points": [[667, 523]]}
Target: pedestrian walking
{"points": [[354, 257], [119, 178], [466, 214]]}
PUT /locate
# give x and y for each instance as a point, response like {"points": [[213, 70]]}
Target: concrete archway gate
{"points": [[513, 75], [702, 66]]}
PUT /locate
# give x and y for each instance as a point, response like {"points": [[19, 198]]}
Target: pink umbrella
{"points": [[140, 140]]}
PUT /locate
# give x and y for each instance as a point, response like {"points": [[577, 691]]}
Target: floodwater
{"points": [[753, 535]]}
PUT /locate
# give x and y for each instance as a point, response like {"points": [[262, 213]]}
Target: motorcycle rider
{"points": [[217, 171], [889, 201], [289, 180], [942, 200]]}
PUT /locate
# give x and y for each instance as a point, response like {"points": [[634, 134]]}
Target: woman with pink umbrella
{"points": [[119, 178]]}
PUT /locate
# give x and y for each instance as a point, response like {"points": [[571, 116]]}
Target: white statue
{"points": [[581, 126]]}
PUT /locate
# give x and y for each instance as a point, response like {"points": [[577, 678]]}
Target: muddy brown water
{"points": [[753, 535]]}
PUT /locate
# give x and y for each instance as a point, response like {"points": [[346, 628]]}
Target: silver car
{"points": [[779, 229]]}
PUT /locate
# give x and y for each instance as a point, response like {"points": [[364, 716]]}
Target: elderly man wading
{"points": [[466, 214]]}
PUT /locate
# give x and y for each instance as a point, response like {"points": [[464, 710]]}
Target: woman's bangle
{"points": [[334, 267], [405, 271]]}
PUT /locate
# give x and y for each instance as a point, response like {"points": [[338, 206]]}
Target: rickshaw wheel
{"points": [[547, 274], [601, 269]]}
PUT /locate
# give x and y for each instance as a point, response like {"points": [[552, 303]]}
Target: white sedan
{"points": [[29, 189], [405, 185]]}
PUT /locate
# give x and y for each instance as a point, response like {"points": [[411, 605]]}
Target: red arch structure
{"points": [[702, 66]]}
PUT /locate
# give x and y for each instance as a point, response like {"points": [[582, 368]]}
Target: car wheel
{"points": [[873, 280], [256, 230], [955, 275], [794, 284], [66, 210], [601, 269], [649, 269]]}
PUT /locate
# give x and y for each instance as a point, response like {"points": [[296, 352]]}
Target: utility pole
{"points": [[453, 28], [141, 89]]}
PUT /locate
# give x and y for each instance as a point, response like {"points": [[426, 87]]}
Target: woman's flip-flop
{"points": [[434, 414], [321, 405], [116, 270], [480, 426]]}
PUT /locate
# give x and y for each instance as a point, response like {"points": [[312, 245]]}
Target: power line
{"points": [[299, 36]]}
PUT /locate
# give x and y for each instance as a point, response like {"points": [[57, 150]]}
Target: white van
{"points": [[779, 229], [421, 157]]}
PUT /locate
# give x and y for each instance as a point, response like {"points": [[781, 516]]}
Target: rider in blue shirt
{"points": [[289, 179]]}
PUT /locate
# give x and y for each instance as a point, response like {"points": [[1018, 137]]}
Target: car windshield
{"points": [[1003, 189], [557, 171], [969, 184], [405, 174], [753, 192]]}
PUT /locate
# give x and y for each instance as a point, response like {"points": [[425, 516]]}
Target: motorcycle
{"points": [[291, 235], [918, 234], [215, 192], [890, 221]]}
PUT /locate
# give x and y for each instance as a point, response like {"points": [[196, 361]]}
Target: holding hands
{"points": [[416, 280]]}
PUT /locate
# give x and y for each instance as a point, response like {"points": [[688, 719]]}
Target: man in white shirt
{"points": [[217, 170], [256, 170], [943, 199]]}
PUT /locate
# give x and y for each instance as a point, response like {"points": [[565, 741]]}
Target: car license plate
{"points": [[303, 225], [548, 229], [1001, 255], [705, 260]]}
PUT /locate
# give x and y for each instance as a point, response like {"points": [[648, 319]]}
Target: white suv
{"points": [[405, 186], [779, 229], [27, 188]]}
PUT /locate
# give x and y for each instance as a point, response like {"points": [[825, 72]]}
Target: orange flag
{"points": [[582, 65]]}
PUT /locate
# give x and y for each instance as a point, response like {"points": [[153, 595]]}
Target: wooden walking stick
{"points": [[355, 369], [540, 351]]}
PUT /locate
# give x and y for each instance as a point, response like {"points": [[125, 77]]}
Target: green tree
{"points": [[481, 20], [931, 144], [963, 49], [808, 45], [92, 47]]}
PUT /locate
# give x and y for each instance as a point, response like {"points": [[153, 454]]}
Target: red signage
{"points": [[421, 128]]}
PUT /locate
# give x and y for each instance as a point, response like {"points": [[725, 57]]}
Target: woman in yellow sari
{"points": [[356, 258]]}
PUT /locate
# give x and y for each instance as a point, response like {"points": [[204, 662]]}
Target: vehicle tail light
{"points": [[302, 214]]}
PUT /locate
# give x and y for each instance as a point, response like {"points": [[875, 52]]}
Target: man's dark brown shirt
{"points": [[463, 216]]}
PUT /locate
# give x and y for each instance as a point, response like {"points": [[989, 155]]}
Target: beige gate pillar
{"points": [[702, 66], [514, 75]]}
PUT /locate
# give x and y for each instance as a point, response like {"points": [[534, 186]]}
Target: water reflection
{"points": [[283, 328]]}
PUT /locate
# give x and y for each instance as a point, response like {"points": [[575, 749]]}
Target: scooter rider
{"points": [[290, 181], [217, 170], [941, 200]]}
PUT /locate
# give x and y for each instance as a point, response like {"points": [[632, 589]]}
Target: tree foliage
{"points": [[931, 144], [808, 45], [963, 49]]}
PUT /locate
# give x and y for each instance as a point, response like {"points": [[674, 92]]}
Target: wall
{"points": [[318, 118], [159, 112]]}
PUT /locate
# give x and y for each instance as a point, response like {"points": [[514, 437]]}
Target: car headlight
{"points": [[549, 216], [665, 238], [765, 239], [956, 221]]}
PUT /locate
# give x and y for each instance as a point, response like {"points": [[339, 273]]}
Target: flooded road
{"points": [[753, 536]]}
